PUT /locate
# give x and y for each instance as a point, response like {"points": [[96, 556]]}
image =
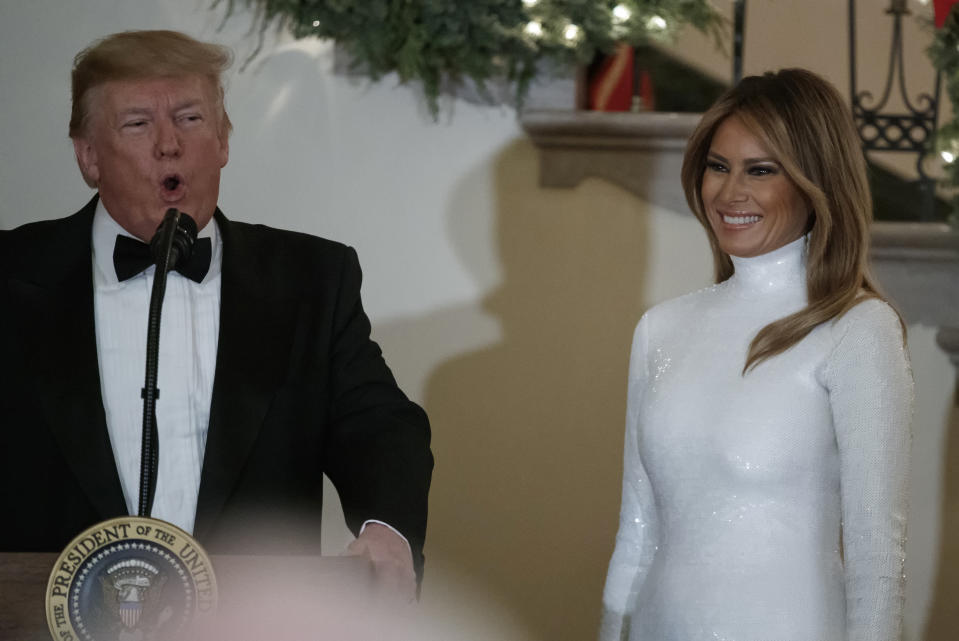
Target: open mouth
{"points": [[172, 188], [170, 183]]}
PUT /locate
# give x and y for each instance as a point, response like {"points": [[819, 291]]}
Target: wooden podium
{"points": [[23, 583]]}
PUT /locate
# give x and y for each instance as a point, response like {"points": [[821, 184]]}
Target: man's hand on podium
{"points": [[391, 558]]}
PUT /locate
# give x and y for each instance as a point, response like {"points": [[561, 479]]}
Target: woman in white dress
{"points": [[768, 416]]}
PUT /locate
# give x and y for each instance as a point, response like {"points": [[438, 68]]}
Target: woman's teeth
{"points": [[740, 220]]}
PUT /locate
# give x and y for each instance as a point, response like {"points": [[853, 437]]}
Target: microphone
{"points": [[172, 243], [174, 240]]}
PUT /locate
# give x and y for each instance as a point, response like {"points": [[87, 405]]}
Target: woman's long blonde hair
{"points": [[804, 123]]}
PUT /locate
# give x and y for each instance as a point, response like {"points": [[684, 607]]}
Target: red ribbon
{"points": [[941, 10]]}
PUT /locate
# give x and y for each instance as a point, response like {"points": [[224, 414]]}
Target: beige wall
{"points": [[506, 309]]}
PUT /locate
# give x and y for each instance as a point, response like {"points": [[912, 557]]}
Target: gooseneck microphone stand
{"points": [[172, 243]]}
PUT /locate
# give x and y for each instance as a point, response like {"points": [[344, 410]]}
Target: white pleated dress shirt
{"points": [[189, 329]]}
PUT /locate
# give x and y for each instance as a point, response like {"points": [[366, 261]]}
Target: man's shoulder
{"points": [[283, 245], [52, 242], [264, 234], [43, 229]]}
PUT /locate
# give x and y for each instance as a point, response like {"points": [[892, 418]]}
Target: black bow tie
{"points": [[132, 256]]}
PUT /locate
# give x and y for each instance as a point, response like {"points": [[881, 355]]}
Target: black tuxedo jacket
{"points": [[299, 390]]}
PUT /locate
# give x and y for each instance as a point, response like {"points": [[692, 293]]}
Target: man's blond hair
{"points": [[138, 55]]}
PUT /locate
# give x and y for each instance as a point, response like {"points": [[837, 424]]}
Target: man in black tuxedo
{"points": [[295, 388]]}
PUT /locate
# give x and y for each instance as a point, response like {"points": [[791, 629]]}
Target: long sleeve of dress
{"points": [[636, 539], [871, 396]]}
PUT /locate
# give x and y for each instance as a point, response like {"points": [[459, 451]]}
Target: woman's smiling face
{"points": [[751, 204]]}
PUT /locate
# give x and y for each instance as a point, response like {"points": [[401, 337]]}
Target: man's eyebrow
{"points": [[134, 111], [180, 106], [187, 104]]}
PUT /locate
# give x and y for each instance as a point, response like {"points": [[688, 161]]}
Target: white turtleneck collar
{"points": [[781, 270]]}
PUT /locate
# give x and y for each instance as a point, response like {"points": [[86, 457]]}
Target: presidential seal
{"points": [[129, 579]]}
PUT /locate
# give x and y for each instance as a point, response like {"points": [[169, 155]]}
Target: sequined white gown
{"points": [[735, 487]]}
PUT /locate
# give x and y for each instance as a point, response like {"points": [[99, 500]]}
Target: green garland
{"points": [[944, 53], [439, 41]]}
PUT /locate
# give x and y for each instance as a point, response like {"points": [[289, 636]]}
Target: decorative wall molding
{"points": [[551, 128], [918, 266], [640, 152]]}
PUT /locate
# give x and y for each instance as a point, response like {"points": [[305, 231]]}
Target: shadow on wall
{"points": [[943, 621], [528, 430]]}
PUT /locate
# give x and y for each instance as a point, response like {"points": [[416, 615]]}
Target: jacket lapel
{"points": [[252, 360], [56, 302]]}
